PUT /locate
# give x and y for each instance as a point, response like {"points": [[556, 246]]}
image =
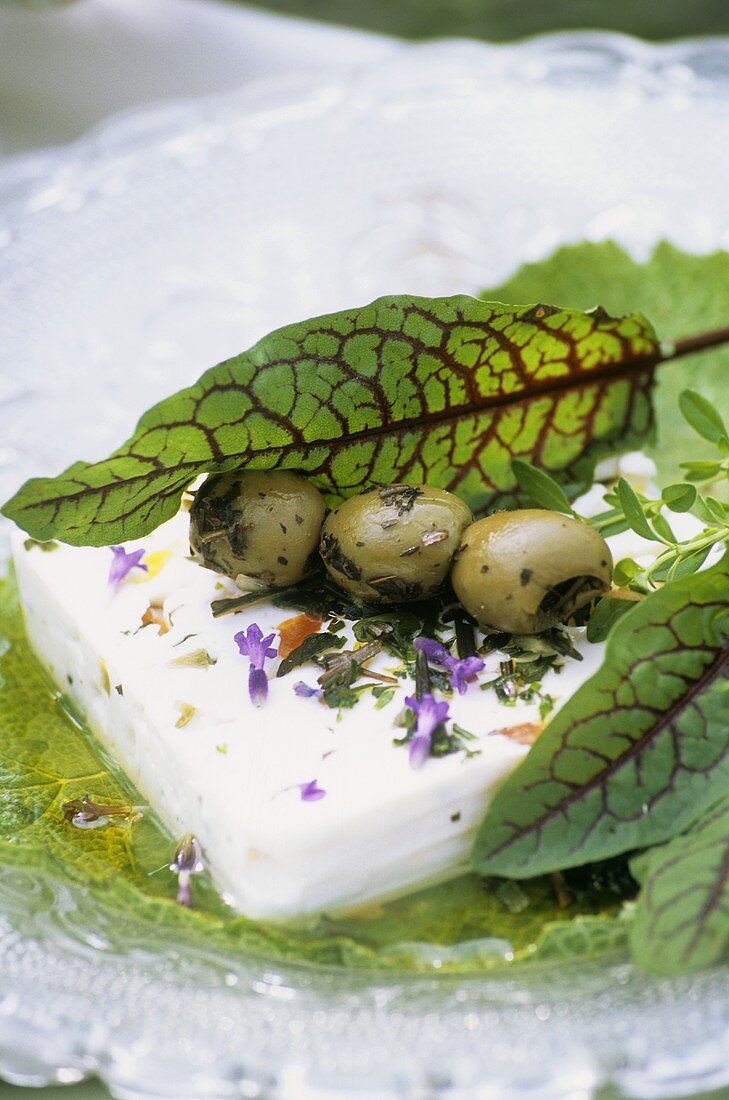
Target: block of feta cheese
{"points": [[211, 763]]}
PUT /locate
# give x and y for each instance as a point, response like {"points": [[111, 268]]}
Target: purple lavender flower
{"points": [[311, 791], [123, 563], [429, 715], [304, 691], [464, 672], [461, 671], [253, 645]]}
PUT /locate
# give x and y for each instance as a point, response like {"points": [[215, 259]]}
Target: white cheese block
{"points": [[232, 774]]}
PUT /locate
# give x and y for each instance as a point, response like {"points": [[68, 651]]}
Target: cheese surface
{"points": [[211, 763]]}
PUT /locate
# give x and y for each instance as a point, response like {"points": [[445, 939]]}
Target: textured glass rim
{"points": [[655, 69], [29, 1053]]}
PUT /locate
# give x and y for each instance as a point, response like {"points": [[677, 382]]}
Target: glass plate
{"points": [[173, 238]]}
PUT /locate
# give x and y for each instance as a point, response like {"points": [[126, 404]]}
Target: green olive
{"points": [[393, 543], [525, 571], [257, 524]]}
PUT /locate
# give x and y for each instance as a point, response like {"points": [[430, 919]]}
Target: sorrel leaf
{"points": [[681, 920], [682, 294], [637, 753], [447, 390], [606, 613]]}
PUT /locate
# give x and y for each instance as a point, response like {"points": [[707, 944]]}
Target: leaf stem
{"points": [[704, 340]]}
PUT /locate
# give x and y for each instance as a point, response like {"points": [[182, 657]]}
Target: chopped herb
{"points": [[401, 497], [562, 642], [394, 630], [342, 696], [546, 706], [466, 735], [30, 544], [312, 646], [336, 559], [461, 672], [465, 635], [85, 814], [422, 675], [383, 696], [432, 538], [198, 658], [237, 603], [222, 749], [187, 713], [345, 667]]}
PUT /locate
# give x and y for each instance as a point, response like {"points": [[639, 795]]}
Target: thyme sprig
{"points": [[630, 510]]}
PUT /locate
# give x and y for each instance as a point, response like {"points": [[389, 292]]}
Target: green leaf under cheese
{"points": [[681, 920]]}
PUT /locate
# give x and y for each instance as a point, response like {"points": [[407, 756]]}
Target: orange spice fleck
{"points": [[292, 632], [524, 734], [155, 616]]}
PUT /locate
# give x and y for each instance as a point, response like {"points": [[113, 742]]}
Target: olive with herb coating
{"points": [[524, 571], [258, 524], [393, 543]]}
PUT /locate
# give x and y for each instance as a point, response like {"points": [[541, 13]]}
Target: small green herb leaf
{"points": [[447, 390], [684, 567], [383, 696], [663, 529], [679, 497], [700, 470], [633, 510], [636, 754], [312, 646], [719, 511], [705, 511], [540, 487], [704, 418], [681, 920], [626, 571]]}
